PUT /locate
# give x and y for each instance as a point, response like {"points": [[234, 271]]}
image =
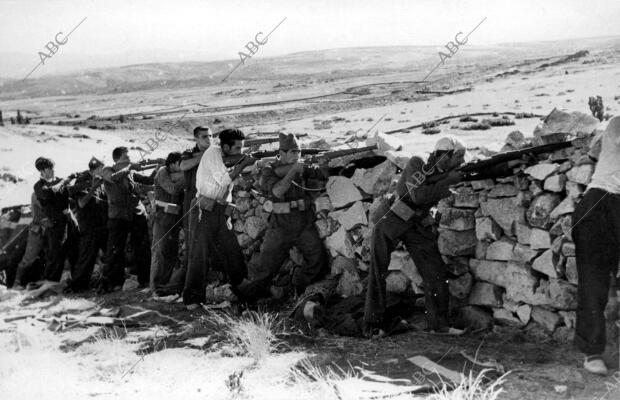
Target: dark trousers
{"points": [[118, 231], [53, 239], [34, 246], [91, 240], [213, 244], [286, 231], [177, 280], [165, 248], [596, 231], [421, 243]]}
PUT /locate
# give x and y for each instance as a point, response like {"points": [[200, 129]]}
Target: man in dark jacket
{"points": [[126, 217], [169, 185], [92, 210], [291, 221], [421, 185], [52, 194]]}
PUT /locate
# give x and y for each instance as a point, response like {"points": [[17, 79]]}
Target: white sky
{"points": [[218, 29]]}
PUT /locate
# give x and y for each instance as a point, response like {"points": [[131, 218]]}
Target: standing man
{"points": [[52, 194], [169, 185], [34, 245], [213, 240], [408, 220], [291, 221], [596, 231], [126, 217], [92, 217], [189, 165]]}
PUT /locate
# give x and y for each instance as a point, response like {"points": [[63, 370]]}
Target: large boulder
{"points": [[557, 121]]}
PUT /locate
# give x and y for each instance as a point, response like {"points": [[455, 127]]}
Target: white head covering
{"points": [[448, 143]]}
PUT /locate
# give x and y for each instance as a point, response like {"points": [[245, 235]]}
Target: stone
{"points": [[505, 317], [340, 243], [539, 212], [523, 232], [340, 264], [555, 183], [547, 319], [563, 226], [342, 192], [544, 263], [516, 140], [574, 190], [524, 312], [351, 217], [569, 318], [322, 203], [523, 253], [239, 225], [398, 158], [401, 261], [255, 226], [563, 295], [474, 318], [556, 245], [244, 240], [567, 206], [376, 180], [457, 266], [325, 226], [542, 171], [481, 250], [503, 190], [485, 294], [489, 271], [466, 200], [457, 219], [540, 239], [570, 123], [536, 187], [487, 229], [581, 174], [384, 142], [349, 283], [243, 204], [457, 243], [504, 211], [571, 270], [525, 198], [521, 285], [461, 286], [501, 250], [397, 282], [482, 184]]}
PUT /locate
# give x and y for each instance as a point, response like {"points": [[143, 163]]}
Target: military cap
{"points": [[288, 142]]}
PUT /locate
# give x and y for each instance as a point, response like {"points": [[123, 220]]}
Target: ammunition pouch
{"points": [[285, 207], [207, 204], [168, 208]]}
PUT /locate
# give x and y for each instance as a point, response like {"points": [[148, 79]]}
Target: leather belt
{"points": [[168, 208], [207, 204]]}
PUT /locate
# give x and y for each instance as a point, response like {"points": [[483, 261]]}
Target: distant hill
{"points": [[336, 63]]}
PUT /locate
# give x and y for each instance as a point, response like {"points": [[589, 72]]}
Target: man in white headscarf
{"points": [[421, 185]]}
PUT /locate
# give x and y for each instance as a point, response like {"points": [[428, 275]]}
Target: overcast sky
{"points": [[219, 29]]}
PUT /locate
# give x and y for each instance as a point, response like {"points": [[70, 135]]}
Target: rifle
{"points": [[497, 166], [13, 208], [150, 163]]}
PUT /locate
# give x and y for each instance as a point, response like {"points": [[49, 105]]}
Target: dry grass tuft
{"points": [[472, 388], [254, 333]]}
